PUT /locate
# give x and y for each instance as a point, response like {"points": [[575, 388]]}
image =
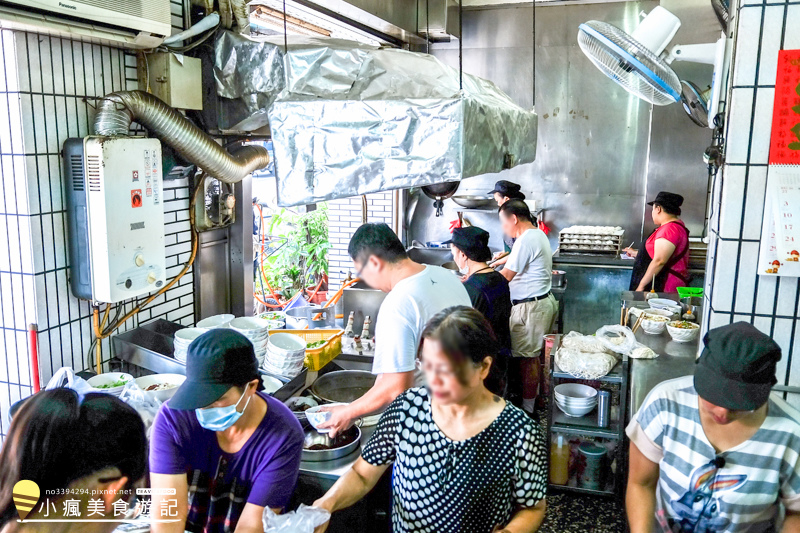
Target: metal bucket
{"points": [[311, 317]]}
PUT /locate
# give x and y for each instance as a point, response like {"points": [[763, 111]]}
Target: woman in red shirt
{"points": [[665, 256]]}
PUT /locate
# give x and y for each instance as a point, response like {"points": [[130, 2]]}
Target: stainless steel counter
{"points": [[675, 359]]}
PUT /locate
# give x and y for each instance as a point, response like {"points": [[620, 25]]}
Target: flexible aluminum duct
{"points": [[117, 110]]}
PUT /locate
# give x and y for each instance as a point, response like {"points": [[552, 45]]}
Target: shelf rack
{"points": [[558, 422]]}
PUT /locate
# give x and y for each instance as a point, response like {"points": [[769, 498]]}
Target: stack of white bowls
{"points": [[256, 330], [574, 399], [182, 339], [216, 321], [285, 355]]}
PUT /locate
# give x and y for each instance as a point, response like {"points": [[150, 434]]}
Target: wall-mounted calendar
{"points": [[779, 254]]}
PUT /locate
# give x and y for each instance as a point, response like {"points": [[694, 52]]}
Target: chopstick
{"points": [[638, 322]]}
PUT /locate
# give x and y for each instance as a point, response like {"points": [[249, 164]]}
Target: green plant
{"points": [[302, 254]]}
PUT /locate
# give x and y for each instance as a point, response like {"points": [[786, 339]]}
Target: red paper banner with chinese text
{"points": [[785, 140]]}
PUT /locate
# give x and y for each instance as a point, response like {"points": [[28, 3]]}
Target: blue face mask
{"points": [[220, 418]]}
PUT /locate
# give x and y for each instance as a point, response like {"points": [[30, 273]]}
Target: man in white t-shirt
{"points": [[416, 293], [529, 271]]}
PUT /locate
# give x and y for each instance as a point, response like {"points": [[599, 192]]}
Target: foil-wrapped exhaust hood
{"points": [[351, 119]]}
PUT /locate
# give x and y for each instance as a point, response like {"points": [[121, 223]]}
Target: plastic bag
{"points": [[583, 343], [616, 338], [642, 352], [304, 520], [145, 405], [585, 365], [65, 377]]}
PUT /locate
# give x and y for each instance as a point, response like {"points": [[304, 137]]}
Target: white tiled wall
{"points": [[735, 291], [344, 217], [48, 88]]}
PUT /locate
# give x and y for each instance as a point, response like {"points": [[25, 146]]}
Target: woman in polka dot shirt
{"points": [[464, 460]]}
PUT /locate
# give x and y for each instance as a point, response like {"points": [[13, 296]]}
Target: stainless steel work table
{"points": [[675, 359]]}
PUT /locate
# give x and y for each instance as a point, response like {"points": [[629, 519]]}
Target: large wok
{"points": [[440, 192]]}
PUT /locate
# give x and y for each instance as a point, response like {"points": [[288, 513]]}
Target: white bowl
{"points": [[216, 321], [658, 312], [101, 382], [278, 316], [576, 390], [654, 325], [287, 341], [577, 402], [175, 380], [249, 323], [316, 417], [271, 384], [187, 335], [664, 303], [575, 412], [681, 334]]}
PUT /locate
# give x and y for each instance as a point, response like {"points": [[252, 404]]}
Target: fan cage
{"points": [[628, 63]]}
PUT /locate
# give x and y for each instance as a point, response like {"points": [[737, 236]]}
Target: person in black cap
{"points": [[489, 294], [665, 256], [227, 449], [504, 191], [716, 452]]}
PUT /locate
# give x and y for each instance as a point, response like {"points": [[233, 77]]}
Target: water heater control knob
{"points": [[151, 277], [139, 260]]}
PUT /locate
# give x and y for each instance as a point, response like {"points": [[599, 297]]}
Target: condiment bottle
{"points": [[559, 461], [365, 329], [348, 331]]}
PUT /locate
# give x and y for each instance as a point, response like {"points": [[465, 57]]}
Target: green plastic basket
{"points": [[686, 292]]}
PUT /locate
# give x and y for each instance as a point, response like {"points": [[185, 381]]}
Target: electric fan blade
{"points": [[694, 103]]}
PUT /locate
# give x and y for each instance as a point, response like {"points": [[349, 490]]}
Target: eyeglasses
{"points": [[442, 371]]}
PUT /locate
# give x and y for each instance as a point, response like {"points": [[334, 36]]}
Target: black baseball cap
{"points": [[670, 200], [737, 367], [473, 241], [215, 361], [508, 189]]}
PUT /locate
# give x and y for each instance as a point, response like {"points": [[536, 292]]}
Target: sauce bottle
{"points": [[559, 461]]}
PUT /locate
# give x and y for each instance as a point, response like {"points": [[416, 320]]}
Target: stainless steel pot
{"points": [[559, 278], [303, 317], [341, 446], [342, 386]]}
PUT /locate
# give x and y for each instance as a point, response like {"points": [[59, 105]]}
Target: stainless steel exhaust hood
{"points": [[353, 119]]}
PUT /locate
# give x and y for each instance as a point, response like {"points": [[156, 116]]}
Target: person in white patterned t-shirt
{"points": [[717, 452]]}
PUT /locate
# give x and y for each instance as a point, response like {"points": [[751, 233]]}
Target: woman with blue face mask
{"points": [[228, 449]]}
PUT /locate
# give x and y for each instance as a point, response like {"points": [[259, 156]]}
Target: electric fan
{"points": [[638, 63], [695, 103]]}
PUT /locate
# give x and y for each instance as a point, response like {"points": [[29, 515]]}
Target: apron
{"points": [[643, 261]]}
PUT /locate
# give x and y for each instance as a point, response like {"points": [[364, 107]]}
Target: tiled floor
{"points": [[573, 513]]}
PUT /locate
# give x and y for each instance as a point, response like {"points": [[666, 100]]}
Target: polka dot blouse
{"points": [[442, 486]]}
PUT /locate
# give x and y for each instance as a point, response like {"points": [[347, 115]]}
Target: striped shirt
{"points": [[693, 494]]}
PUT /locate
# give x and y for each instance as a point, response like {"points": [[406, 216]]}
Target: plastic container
{"points": [[559, 461], [316, 358], [593, 476]]}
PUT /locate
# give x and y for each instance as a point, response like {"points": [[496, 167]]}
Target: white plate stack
{"points": [[575, 400], [285, 355], [257, 332], [182, 339]]}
